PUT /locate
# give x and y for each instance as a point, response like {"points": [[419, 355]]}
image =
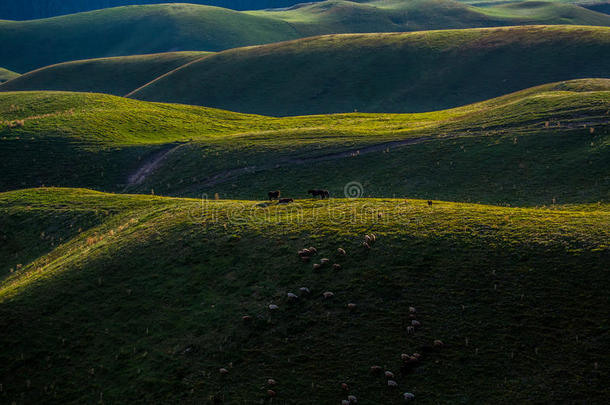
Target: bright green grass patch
{"points": [[147, 306], [517, 149]]}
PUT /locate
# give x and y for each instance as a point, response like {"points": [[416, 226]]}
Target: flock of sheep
{"points": [[409, 362]]}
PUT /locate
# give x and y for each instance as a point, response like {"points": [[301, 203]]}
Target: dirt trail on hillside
{"points": [[150, 165]]}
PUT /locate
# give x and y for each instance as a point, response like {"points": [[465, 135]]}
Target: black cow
{"points": [[274, 195], [322, 193]]}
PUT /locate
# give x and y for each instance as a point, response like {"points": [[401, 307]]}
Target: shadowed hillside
{"points": [[145, 302], [6, 75], [118, 75], [386, 72], [186, 27]]}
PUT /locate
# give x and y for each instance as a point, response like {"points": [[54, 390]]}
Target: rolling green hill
{"points": [[6, 75], [140, 299], [120, 31], [397, 72], [117, 75], [146, 29], [519, 149]]}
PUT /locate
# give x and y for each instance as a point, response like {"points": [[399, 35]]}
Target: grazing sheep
{"points": [[285, 201], [410, 330], [412, 310], [273, 307], [313, 250], [292, 296], [271, 382], [392, 384], [405, 357], [344, 402], [373, 237], [324, 261], [304, 290], [352, 399], [417, 356], [438, 343], [271, 393], [367, 239], [305, 259], [341, 251], [246, 318], [366, 245], [337, 266], [415, 324], [408, 396], [351, 306], [375, 369], [304, 252], [223, 371], [389, 374], [344, 387], [328, 294], [274, 195], [317, 266]]}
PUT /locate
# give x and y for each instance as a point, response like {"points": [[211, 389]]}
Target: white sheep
{"points": [[341, 251], [408, 396], [292, 296], [223, 371], [337, 266], [392, 384], [412, 310], [415, 324], [324, 261], [271, 381], [352, 399], [410, 330], [273, 307], [366, 245], [328, 294], [389, 374], [344, 402], [351, 306], [304, 290]]}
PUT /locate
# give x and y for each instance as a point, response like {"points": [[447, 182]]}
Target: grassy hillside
{"points": [[519, 149], [132, 30], [6, 75], [404, 72], [186, 27], [146, 306], [118, 75]]}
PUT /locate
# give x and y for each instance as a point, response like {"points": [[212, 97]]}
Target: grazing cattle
{"points": [[321, 193], [274, 195], [285, 200], [429, 203]]}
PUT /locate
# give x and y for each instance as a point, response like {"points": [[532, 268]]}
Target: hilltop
{"points": [[395, 72], [140, 299], [519, 149], [117, 75], [147, 29]]}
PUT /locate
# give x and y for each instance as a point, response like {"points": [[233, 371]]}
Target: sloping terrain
{"points": [[133, 30], [520, 149], [120, 31], [118, 75], [147, 306], [406, 72], [6, 75]]}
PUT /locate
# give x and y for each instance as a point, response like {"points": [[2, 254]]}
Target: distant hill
{"points": [[6, 75], [117, 75], [185, 27], [33, 9], [405, 72]]}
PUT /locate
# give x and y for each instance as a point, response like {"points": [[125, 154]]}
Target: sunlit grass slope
{"points": [[6, 75], [522, 148], [146, 305], [158, 28], [399, 72], [117, 75]]}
